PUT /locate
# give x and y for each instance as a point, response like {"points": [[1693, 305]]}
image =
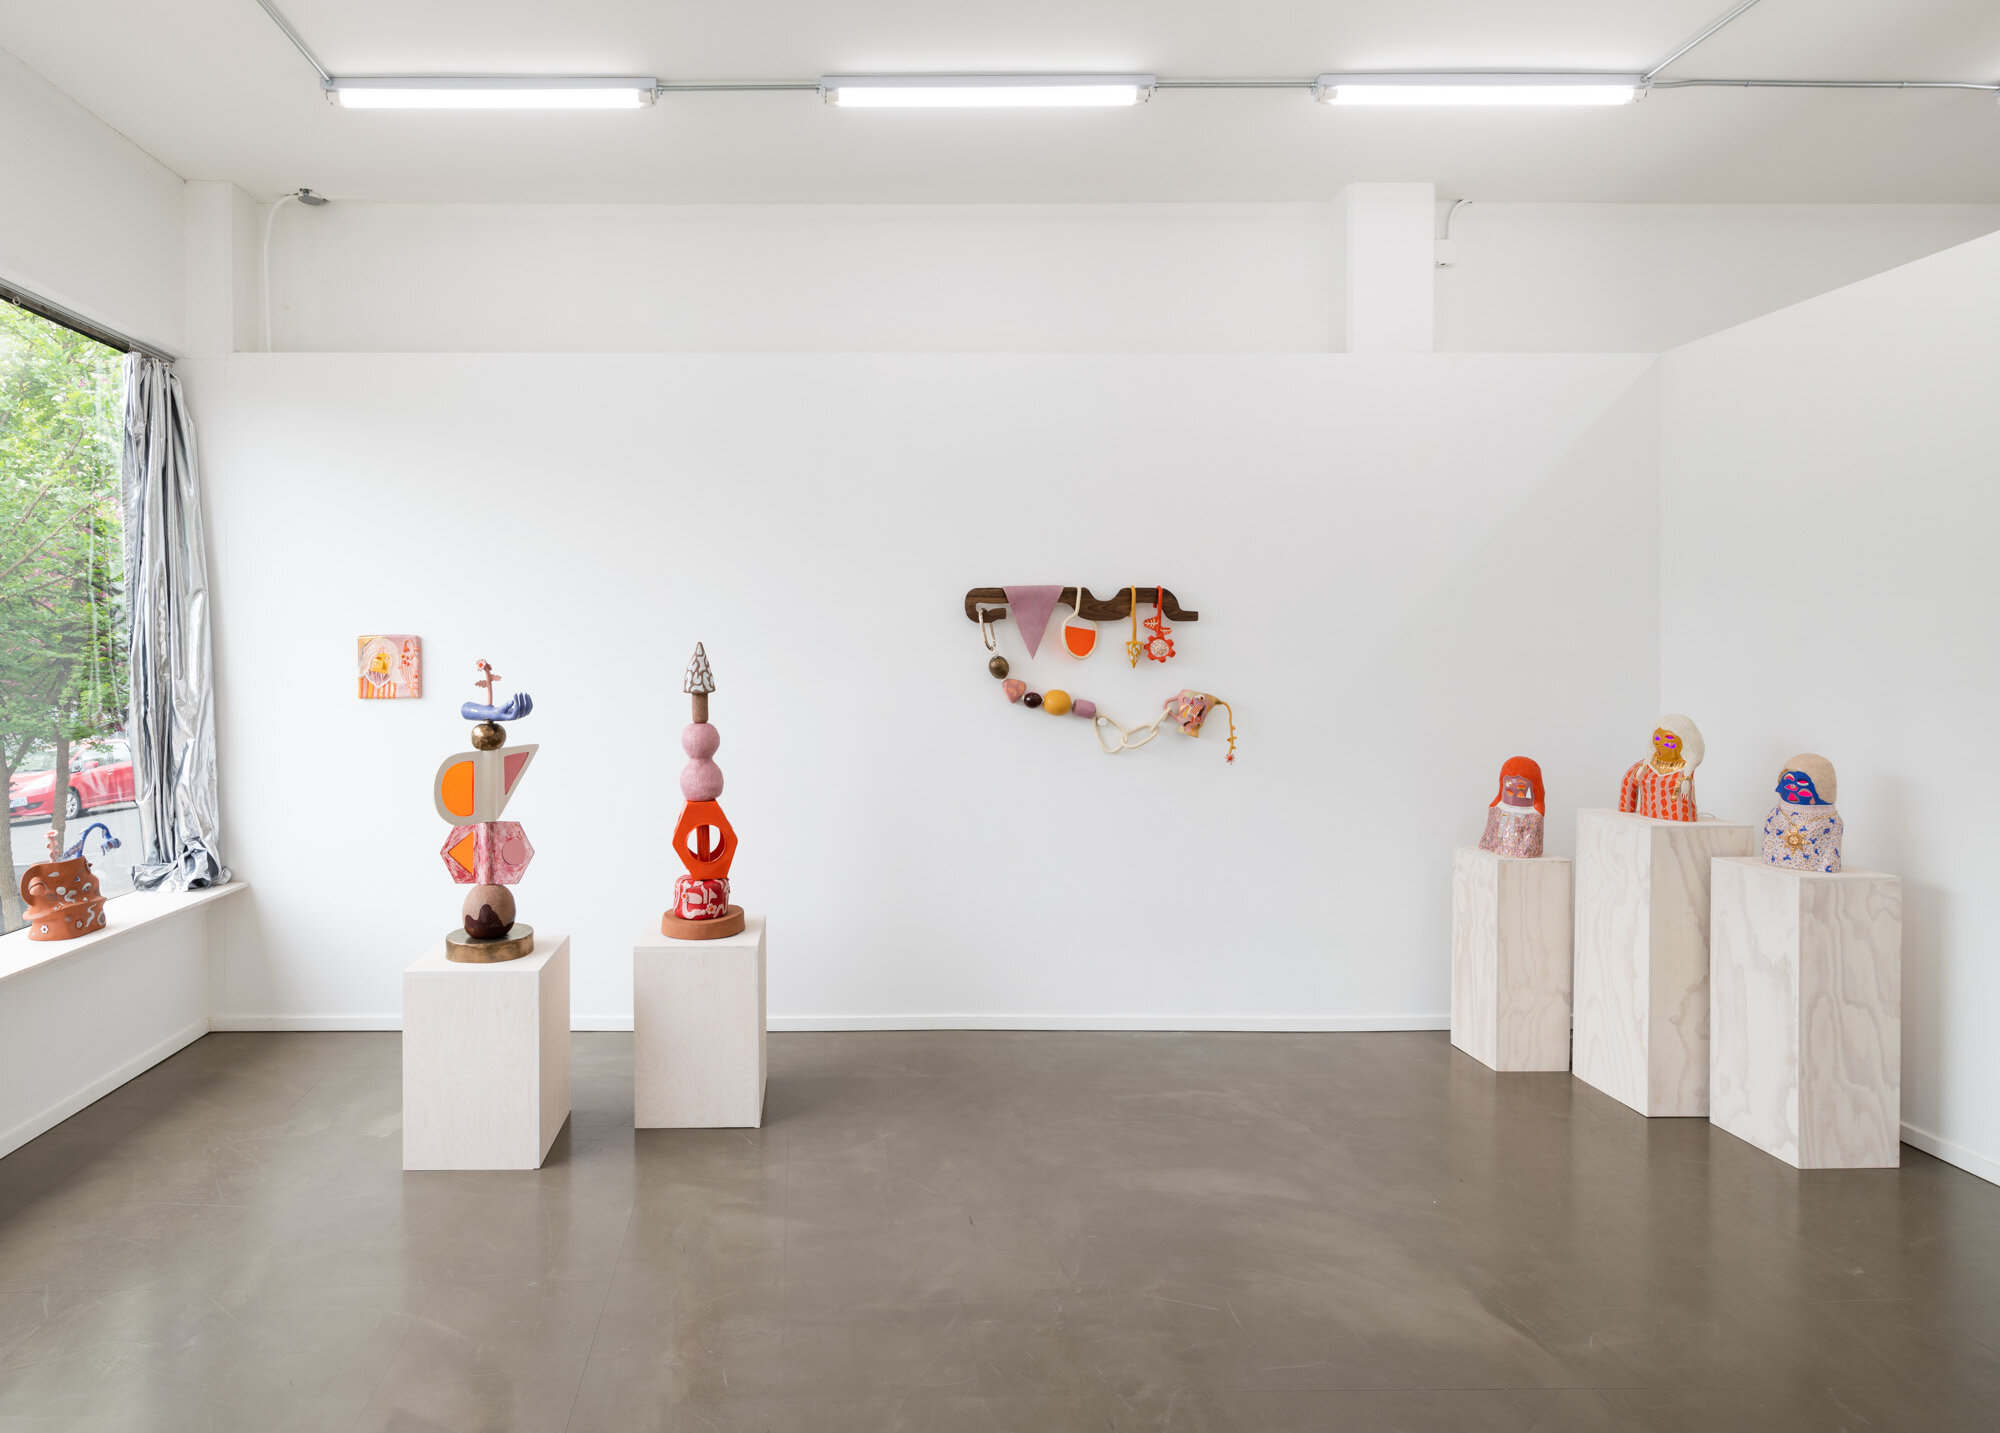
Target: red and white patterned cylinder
{"points": [[697, 899]]}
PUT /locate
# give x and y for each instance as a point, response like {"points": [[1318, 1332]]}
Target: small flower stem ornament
{"points": [[1160, 646], [1134, 648]]}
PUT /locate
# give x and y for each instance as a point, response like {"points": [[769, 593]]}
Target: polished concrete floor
{"points": [[983, 1231]]}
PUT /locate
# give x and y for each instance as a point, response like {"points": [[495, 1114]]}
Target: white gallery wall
{"points": [[1827, 518], [1407, 570], [87, 219], [1188, 278]]}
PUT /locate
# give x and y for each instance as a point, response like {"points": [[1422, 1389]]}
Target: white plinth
{"points": [[485, 1059], [1642, 955], [1805, 1013], [698, 1031], [1510, 959]]}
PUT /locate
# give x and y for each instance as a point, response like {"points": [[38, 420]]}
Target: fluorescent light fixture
{"points": [[985, 91], [1447, 87], [491, 92]]}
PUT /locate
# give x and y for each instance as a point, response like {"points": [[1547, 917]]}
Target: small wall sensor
{"points": [[306, 196]]}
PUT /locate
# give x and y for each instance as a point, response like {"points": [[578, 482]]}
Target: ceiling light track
{"points": [[1826, 85], [1698, 38], [1518, 88], [285, 26]]}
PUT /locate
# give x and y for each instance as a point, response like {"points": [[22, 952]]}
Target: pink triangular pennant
{"points": [[1032, 608], [515, 761]]}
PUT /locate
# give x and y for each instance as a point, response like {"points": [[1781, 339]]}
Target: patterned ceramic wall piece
{"points": [[389, 665]]}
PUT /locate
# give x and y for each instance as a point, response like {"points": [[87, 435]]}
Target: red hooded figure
{"points": [[1514, 818]]}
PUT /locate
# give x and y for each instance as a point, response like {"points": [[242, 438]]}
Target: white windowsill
{"points": [[23, 959]]}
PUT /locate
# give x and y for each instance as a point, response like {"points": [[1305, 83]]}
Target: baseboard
{"points": [[1269, 1024], [1987, 1169], [305, 1022], [1263, 1024], [97, 1089]]}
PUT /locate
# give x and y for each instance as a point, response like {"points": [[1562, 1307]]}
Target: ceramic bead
{"points": [[701, 781], [1015, 688], [1032, 699], [1056, 703], [997, 666], [700, 740], [1084, 708]]}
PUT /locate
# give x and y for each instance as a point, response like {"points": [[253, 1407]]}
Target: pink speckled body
{"points": [[701, 781], [1015, 688]]}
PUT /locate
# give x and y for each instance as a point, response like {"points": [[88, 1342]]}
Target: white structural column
{"points": [[1642, 955], [1510, 959], [485, 1059], [1388, 246], [1805, 1022], [698, 1047], [222, 268]]}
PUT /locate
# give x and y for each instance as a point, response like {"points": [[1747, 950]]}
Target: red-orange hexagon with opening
{"points": [[697, 817]]}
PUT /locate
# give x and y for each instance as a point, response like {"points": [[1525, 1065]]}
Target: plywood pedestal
{"points": [[485, 1059], [698, 1059], [1805, 1013], [1642, 955], [1510, 959]]}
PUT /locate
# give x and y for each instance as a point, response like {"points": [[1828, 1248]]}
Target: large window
{"points": [[62, 628]]}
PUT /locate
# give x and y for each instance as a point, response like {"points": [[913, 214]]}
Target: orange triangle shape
{"points": [[463, 851]]}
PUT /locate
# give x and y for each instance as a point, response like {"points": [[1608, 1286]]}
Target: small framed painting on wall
{"points": [[390, 665]]}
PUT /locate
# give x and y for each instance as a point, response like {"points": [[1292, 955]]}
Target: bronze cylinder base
{"points": [[519, 941]]}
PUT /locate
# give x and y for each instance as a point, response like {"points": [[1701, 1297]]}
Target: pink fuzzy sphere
{"points": [[701, 780], [700, 740]]}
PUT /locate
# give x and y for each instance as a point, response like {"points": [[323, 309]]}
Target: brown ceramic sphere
{"points": [[998, 666], [489, 912], [489, 736]]}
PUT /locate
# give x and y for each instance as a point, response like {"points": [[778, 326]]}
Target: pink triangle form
{"points": [[512, 772], [1032, 607]]}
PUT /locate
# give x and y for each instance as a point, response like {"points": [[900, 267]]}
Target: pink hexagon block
{"points": [[491, 853]]}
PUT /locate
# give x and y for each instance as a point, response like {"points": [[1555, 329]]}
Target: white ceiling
{"points": [[213, 90]]}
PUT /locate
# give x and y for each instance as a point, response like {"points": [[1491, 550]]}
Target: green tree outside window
{"points": [[63, 674]]}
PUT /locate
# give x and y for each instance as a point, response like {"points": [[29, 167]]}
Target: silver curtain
{"points": [[172, 728]]}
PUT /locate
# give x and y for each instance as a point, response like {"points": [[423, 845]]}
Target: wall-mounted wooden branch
{"points": [[1091, 609]]}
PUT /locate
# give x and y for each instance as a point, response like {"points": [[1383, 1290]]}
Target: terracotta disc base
{"points": [[730, 922], [519, 941]]}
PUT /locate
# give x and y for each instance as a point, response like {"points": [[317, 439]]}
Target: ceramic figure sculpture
{"points": [[703, 838], [1662, 786], [1514, 818], [1803, 830], [61, 897], [471, 790]]}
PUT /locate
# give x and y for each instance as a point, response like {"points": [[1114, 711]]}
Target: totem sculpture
{"points": [[471, 790], [1662, 786], [61, 897], [703, 838], [1803, 830], [1514, 818]]}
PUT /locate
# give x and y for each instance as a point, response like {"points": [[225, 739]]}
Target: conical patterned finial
{"points": [[699, 678]]}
